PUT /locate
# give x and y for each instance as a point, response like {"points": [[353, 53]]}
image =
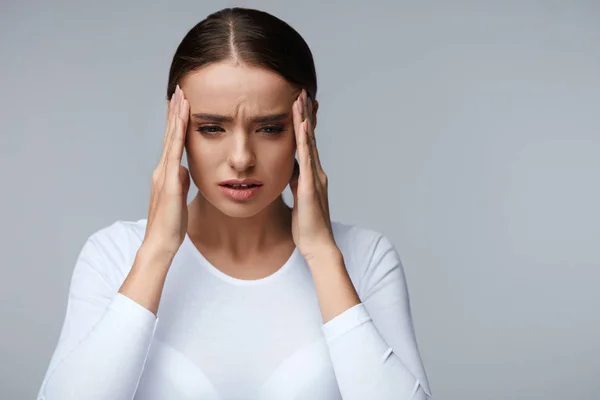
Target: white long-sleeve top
{"points": [[219, 338]]}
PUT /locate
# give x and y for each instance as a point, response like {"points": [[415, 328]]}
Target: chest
{"points": [[218, 341]]}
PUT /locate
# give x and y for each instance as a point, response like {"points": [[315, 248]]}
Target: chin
{"points": [[240, 209]]}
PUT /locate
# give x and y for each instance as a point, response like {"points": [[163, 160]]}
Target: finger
{"points": [[310, 132], [307, 170], [184, 178], [171, 114], [318, 183], [175, 115], [170, 106], [306, 127], [301, 144], [169, 128], [310, 149], [178, 144], [175, 131], [304, 96], [295, 174], [319, 178], [297, 117], [294, 181], [311, 135]]}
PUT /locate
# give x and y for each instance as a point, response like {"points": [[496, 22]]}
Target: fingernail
{"points": [[300, 109]]}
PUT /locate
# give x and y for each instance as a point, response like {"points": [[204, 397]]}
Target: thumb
{"points": [[184, 176]]}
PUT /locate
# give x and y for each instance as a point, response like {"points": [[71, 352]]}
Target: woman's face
{"points": [[240, 127]]}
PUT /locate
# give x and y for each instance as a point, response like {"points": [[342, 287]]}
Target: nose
{"points": [[241, 156]]}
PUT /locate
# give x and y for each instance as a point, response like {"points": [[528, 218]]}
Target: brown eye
{"points": [[272, 130], [209, 130]]}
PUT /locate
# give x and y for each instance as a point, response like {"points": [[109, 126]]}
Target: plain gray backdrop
{"points": [[468, 132]]}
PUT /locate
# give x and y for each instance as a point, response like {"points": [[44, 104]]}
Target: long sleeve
{"points": [[372, 345], [105, 336]]}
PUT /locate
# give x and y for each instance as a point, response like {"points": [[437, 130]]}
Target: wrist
{"points": [[144, 282], [154, 256], [324, 256]]}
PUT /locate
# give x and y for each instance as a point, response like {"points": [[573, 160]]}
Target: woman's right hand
{"points": [[167, 215]]}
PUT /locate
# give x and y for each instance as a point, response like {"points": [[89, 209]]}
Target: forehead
{"points": [[227, 87]]}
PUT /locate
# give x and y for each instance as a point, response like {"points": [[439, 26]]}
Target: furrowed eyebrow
{"points": [[270, 118], [258, 120], [212, 117]]}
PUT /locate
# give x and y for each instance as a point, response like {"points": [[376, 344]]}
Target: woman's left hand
{"points": [[311, 223]]}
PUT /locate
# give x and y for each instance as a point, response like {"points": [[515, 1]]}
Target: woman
{"points": [[257, 300]]}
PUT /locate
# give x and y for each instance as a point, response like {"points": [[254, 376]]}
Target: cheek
{"points": [[278, 162], [202, 157]]}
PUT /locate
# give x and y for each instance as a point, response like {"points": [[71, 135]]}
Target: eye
{"points": [[272, 130], [209, 130]]}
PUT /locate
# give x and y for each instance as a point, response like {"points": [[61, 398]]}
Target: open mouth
{"points": [[241, 186], [240, 191]]}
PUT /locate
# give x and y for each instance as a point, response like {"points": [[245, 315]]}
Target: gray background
{"points": [[468, 132]]}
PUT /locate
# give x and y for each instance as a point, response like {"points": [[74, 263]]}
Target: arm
{"points": [[106, 334], [371, 343]]}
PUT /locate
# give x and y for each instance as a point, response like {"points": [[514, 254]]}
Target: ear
{"points": [[315, 108]]}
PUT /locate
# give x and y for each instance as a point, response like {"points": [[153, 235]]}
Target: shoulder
{"points": [[111, 249], [359, 243], [366, 251], [120, 234]]}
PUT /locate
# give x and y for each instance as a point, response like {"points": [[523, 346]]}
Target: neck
{"points": [[243, 236]]}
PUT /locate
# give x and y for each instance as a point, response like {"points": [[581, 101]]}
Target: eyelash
{"points": [[208, 130]]}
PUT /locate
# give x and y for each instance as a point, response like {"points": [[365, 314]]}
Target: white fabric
{"points": [[217, 337]]}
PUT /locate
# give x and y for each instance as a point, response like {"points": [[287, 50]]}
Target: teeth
{"points": [[241, 186]]}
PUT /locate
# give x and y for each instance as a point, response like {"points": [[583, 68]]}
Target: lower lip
{"points": [[239, 194]]}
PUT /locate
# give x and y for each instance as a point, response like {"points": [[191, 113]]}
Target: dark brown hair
{"points": [[248, 36]]}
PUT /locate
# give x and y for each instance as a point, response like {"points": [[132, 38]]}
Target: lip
{"points": [[241, 182], [239, 194]]}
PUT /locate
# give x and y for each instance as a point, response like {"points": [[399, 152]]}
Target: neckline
{"points": [[187, 241]]}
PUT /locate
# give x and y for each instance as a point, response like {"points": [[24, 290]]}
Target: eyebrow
{"points": [[258, 120]]}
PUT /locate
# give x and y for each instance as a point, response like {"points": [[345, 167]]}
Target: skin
{"points": [[237, 149], [259, 228]]}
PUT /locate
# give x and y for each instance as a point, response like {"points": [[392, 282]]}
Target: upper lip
{"points": [[241, 182]]}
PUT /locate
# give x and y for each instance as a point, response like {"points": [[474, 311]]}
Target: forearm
{"points": [[144, 283], [108, 362], [114, 350], [356, 347], [365, 365], [335, 290], [378, 362]]}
